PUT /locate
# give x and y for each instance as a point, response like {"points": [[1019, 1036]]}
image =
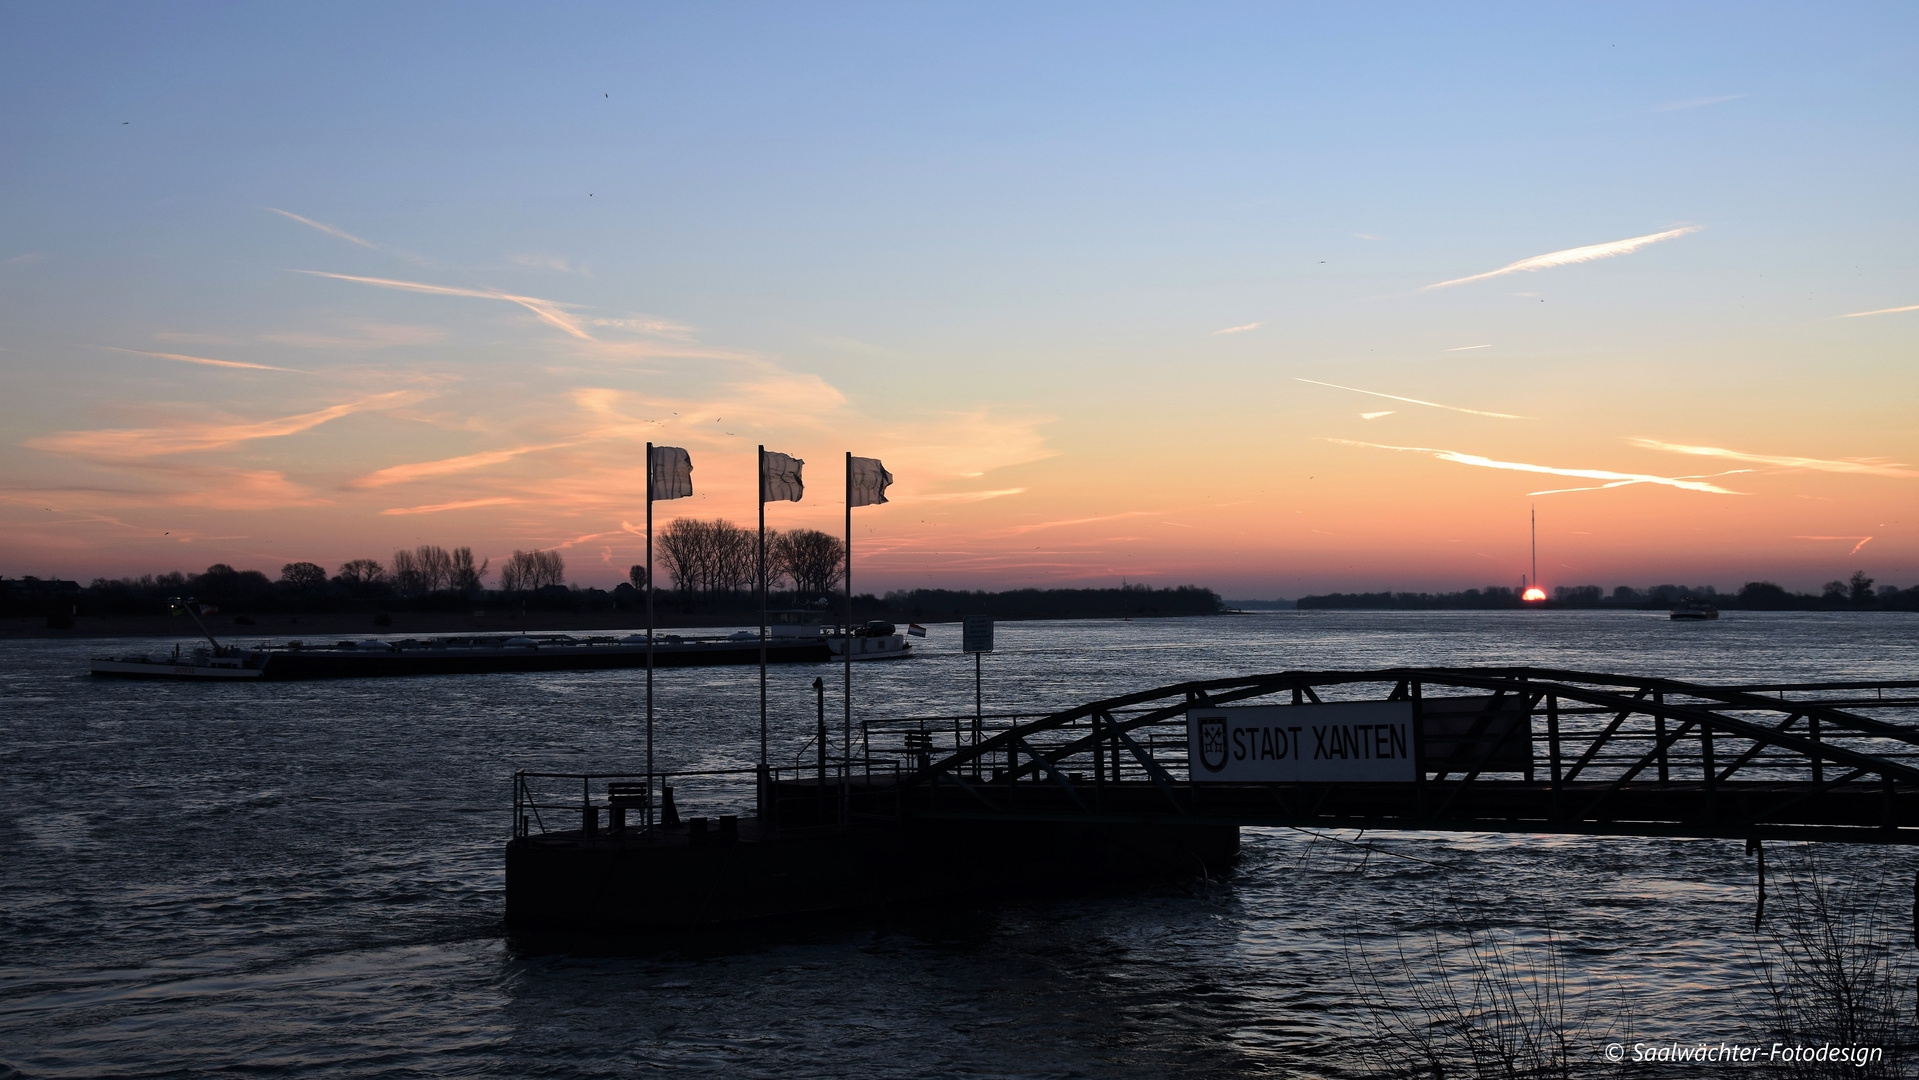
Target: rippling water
{"points": [[306, 878]]}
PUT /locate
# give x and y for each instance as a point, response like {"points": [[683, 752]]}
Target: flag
{"points": [[780, 478], [867, 482], [916, 629], [671, 474]]}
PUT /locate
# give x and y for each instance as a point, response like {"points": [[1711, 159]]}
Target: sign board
{"points": [[1369, 741], [976, 634]]}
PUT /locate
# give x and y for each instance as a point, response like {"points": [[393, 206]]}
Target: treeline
{"points": [[1855, 594], [424, 578], [1124, 602], [718, 562]]}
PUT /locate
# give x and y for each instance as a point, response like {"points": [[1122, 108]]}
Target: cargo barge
{"points": [[792, 640]]}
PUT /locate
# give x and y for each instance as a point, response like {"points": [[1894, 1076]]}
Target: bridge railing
{"points": [[1587, 741]]}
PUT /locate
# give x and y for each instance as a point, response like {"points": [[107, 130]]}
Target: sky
{"points": [[1274, 299]]}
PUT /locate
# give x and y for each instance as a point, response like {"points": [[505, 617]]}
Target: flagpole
{"points": [[846, 764], [649, 635], [762, 461]]}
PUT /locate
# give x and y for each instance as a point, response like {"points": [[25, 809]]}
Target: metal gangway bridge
{"points": [[1481, 749]]}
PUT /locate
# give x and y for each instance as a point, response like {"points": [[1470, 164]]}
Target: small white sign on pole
{"points": [[976, 634], [1370, 741]]}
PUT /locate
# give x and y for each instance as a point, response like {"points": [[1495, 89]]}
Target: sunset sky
{"points": [[1273, 299]]}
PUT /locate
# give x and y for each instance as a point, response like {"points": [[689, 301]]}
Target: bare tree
{"points": [[530, 570], [681, 545], [467, 577], [406, 576], [435, 566], [303, 576], [361, 575], [815, 561]]}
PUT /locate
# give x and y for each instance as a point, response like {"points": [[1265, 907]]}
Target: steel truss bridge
{"points": [[1494, 749]]}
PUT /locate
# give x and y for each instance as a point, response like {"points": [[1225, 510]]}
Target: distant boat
{"points": [[877, 640], [1694, 611]]}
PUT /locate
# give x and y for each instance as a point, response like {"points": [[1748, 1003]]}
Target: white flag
{"points": [[780, 478], [671, 474], [867, 482]]}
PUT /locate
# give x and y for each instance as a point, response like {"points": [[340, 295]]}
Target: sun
{"points": [[1534, 593]]}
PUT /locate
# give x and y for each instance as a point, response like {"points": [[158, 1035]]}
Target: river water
{"points": [[305, 878]]}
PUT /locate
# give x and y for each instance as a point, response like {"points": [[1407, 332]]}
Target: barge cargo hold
{"points": [[454, 656]]}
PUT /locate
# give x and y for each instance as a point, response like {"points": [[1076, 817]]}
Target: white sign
{"points": [[1290, 744]]}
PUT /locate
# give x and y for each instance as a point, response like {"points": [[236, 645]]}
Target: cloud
{"points": [[436, 508], [370, 336], [203, 360], [1467, 348], [967, 496], [662, 327], [1019, 529], [135, 443], [1572, 255], [1861, 466], [1238, 329], [548, 310], [26, 259], [1415, 401], [327, 229], [1375, 415], [1694, 103], [548, 262], [1881, 311], [1615, 479], [400, 474]]}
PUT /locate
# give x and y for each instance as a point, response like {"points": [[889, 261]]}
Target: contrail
{"points": [[1863, 466], [209, 361], [1572, 255], [1881, 311], [1615, 479], [323, 227], [1415, 401], [547, 310]]}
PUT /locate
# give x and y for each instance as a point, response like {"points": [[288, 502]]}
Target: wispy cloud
{"points": [[135, 443], [1881, 311], [1375, 415], [322, 226], [1862, 466], [1572, 255], [1238, 329], [26, 259], [662, 327], [1467, 348], [1614, 479], [1414, 401], [436, 508], [551, 311], [400, 474], [207, 360], [548, 262], [1018, 529], [1695, 103], [1863, 541], [969, 496]]}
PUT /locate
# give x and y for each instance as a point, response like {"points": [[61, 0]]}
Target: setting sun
{"points": [[1533, 594]]}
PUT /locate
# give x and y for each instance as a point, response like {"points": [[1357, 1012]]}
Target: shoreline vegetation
{"points": [[711, 566], [1854, 594]]}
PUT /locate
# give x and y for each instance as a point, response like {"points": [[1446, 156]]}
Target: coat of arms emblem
{"points": [[1212, 742]]}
